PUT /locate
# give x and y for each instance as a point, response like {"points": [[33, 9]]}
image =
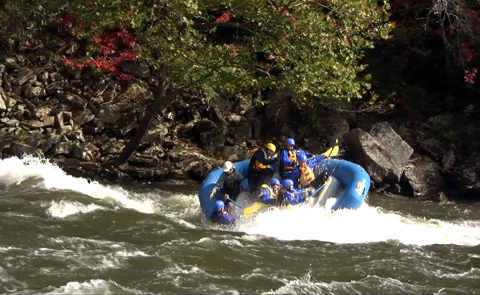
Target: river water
{"points": [[61, 234]]}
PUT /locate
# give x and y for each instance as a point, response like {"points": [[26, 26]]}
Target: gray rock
{"points": [[135, 69], [61, 149], [33, 92], [74, 73], [382, 160], [108, 116], [33, 139], [81, 118], [73, 100], [79, 151], [55, 87], [32, 124], [49, 121], [42, 111], [9, 122], [423, 176], [46, 144], [144, 161], [433, 148], [24, 77], [204, 125], [3, 99], [20, 150]]}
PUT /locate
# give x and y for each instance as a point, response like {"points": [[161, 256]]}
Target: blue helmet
{"points": [[302, 157], [219, 205], [291, 141], [287, 182], [274, 181]]}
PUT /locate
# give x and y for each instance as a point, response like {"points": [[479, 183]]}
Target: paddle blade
{"points": [[331, 152], [252, 209]]}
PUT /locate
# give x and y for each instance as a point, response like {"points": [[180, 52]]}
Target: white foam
{"points": [[94, 286], [66, 208], [15, 171], [359, 226]]}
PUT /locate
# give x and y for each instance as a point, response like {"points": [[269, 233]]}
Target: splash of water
{"points": [[364, 225]]}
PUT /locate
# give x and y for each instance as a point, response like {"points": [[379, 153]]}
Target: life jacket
{"points": [[257, 165], [306, 176], [272, 193], [292, 156]]}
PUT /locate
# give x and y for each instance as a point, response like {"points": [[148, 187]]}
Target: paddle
{"points": [[237, 204], [314, 192], [331, 150], [252, 209]]}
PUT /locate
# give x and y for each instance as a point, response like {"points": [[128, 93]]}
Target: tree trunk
{"points": [[447, 61], [161, 99]]}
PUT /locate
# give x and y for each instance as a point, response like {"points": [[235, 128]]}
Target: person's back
{"points": [[220, 216], [259, 171]]}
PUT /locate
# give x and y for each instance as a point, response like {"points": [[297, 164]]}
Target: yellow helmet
{"points": [[271, 147]]}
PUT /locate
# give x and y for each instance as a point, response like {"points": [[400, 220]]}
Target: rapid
{"points": [[66, 235]]}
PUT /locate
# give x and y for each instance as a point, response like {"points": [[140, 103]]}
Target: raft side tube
{"points": [[207, 204], [353, 178]]}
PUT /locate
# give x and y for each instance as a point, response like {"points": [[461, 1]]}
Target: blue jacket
{"points": [[295, 175], [286, 162], [222, 218], [267, 197], [295, 196]]}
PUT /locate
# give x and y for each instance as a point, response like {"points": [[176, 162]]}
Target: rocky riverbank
{"points": [[82, 120]]}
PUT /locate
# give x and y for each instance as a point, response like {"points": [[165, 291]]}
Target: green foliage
{"points": [[228, 46]]}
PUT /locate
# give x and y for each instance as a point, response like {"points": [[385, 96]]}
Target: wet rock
{"points": [[434, 148], [383, 155], [144, 161], [422, 176], [20, 150], [152, 174], [448, 162]]}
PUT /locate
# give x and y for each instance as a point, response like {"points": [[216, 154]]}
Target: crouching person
{"points": [[220, 216], [292, 196], [269, 192]]}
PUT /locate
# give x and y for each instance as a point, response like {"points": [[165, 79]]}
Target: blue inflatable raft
{"points": [[354, 181]]}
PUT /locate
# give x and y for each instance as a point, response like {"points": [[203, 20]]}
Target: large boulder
{"points": [[422, 177], [20, 150], [383, 153]]}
